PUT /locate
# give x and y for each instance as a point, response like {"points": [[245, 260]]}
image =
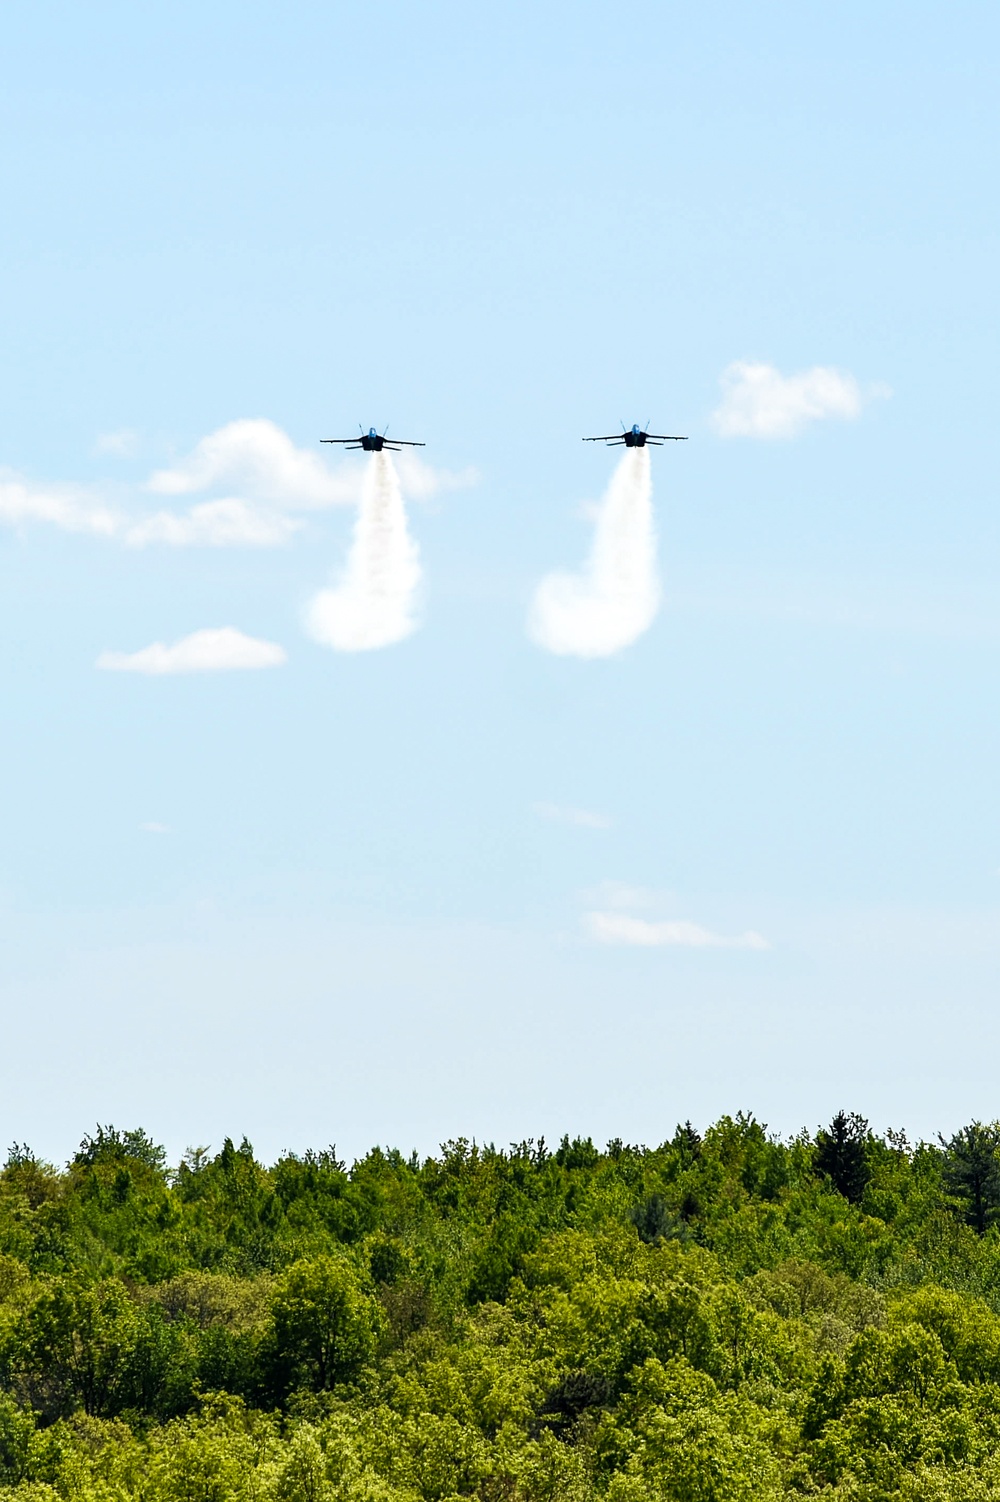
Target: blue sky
{"points": [[349, 896]]}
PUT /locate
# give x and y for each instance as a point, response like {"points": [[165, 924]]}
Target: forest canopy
{"points": [[727, 1316]]}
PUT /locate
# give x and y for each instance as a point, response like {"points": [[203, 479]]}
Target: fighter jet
{"points": [[373, 442], [635, 438]]}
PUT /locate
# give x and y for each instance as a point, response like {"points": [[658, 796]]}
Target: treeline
{"points": [[722, 1318]]}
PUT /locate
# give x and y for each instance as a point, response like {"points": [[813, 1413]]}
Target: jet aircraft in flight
{"points": [[635, 438], [373, 442]]}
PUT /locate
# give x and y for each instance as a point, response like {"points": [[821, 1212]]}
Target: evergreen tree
{"points": [[687, 1142], [840, 1155], [972, 1172]]}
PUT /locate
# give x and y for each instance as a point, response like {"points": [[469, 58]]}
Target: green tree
{"points": [[655, 1223], [109, 1145], [972, 1172], [17, 1430], [580, 1153], [74, 1347], [500, 1259], [687, 1143], [840, 1155], [324, 1326]]}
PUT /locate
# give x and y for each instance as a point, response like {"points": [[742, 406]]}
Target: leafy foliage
{"points": [[722, 1318]]}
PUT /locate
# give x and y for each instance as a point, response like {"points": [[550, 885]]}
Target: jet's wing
{"points": [[340, 440], [410, 443], [674, 437], [607, 438]]}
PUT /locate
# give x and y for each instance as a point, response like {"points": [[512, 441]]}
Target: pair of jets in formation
{"points": [[632, 438]]}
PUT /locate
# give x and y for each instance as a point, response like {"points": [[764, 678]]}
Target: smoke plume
{"points": [[374, 603], [614, 599]]}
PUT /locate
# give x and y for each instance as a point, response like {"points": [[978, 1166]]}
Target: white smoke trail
{"points": [[374, 604], [614, 599]]}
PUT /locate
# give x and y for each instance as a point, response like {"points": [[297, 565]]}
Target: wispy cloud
{"points": [[582, 818], [620, 928], [255, 458], [73, 508], [214, 524], [621, 894], [123, 443], [210, 651], [421, 481], [609, 921], [152, 827], [759, 402], [252, 482]]}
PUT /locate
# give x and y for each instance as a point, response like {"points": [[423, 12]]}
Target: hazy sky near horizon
{"points": [[461, 884]]}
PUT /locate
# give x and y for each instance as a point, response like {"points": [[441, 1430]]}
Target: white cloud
{"points": [[123, 443], [759, 402], [216, 524], [582, 818], [212, 651], [73, 508], [620, 894], [254, 456], [264, 479], [421, 480], [151, 827], [619, 928]]}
